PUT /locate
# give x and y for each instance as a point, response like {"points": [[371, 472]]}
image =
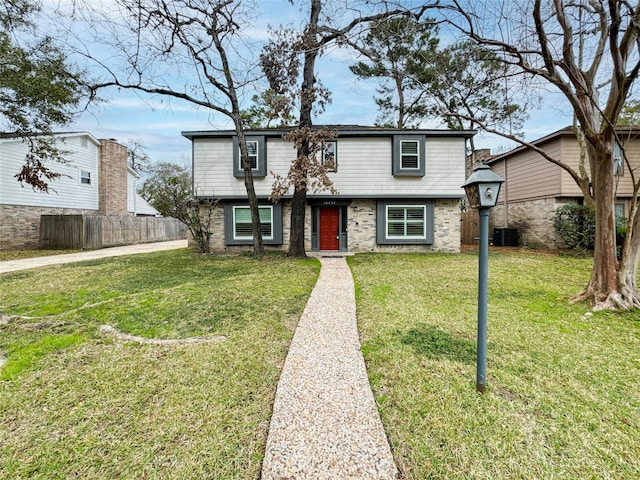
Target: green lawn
{"points": [[563, 398], [75, 403], [7, 255]]}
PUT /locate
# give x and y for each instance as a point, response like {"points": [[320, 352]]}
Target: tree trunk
{"points": [[298, 215], [258, 245], [628, 269], [307, 98], [612, 285]]}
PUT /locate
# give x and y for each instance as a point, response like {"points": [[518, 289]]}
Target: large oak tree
{"points": [[187, 50]]}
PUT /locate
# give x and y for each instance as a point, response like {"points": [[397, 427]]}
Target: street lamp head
{"points": [[483, 187]]}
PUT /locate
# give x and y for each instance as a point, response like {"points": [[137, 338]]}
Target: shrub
{"points": [[576, 226]]}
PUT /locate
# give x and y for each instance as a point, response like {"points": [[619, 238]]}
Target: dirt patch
{"points": [[109, 330]]}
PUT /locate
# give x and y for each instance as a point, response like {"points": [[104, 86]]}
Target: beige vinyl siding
{"points": [[364, 168], [570, 155], [632, 151], [531, 176]]}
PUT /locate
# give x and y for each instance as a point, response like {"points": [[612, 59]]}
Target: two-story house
{"points": [[398, 190], [535, 188], [95, 180]]}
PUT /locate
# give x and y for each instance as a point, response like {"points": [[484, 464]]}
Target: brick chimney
{"points": [[113, 178]]}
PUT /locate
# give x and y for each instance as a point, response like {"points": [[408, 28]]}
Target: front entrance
{"points": [[329, 228]]}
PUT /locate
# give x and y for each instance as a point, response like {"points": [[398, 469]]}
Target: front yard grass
{"points": [[75, 403], [563, 398]]}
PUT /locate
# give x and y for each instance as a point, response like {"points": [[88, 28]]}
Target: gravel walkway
{"points": [[325, 423]]}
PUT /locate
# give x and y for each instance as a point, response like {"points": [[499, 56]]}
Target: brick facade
{"points": [[20, 226], [361, 227], [533, 219], [113, 178]]}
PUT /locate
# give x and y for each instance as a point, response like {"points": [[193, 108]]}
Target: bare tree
{"points": [[289, 62], [589, 51], [185, 50], [137, 157]]}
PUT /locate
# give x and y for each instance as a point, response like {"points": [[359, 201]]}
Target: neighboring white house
{"points": [[398, 190], [95, 180]]}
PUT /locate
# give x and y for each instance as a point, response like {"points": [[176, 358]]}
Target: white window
{"points": [[409, 155], [242, 226], [85, 177], [83, 142], [618, 159], [252, 150], [329, 156], [406, 221]]}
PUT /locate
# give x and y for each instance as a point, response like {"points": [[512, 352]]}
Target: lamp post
{"points": [[482, 189]]}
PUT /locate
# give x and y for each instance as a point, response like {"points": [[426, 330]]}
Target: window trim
{"points": [[229, 224], [382, 236], [335, 155], [403, 142], [82, 177], [261, 161], [405, 222], [619, 149], [396, 163], [246, 207]]}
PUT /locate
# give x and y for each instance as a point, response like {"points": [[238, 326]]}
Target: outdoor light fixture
{"points": [[482, 189]]}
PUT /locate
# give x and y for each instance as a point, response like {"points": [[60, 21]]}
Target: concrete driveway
{"points": [[23, 264]]}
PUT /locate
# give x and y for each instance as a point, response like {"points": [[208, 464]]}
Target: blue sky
{"points": [[157, 122]]}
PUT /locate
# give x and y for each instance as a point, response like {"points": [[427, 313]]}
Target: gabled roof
{"points": [[342, 130], [565, 131], [14, 136]]}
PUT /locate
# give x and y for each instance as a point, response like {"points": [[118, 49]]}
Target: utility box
{"points": [[505, 237]]}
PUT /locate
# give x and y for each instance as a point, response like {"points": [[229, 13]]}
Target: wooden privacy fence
{"points": [[469, 227], [91, 232]]}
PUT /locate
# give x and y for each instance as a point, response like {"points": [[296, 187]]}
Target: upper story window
{"points": [[252, 150], [256, 148], [84, 143], [330, 156], [85, 177], [409, 158], [618, 159], [408, 155]]}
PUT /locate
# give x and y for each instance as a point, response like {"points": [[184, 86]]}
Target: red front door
{"points": [[329, 228]]}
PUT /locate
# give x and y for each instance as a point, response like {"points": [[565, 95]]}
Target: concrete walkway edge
{"points": [[325, 422], [22, 264]]}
